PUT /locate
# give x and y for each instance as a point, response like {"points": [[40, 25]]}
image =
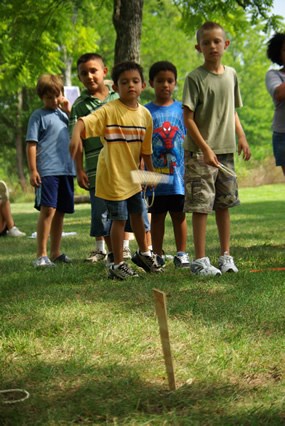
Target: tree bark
{"points": [[19, 143], [127, 20]]}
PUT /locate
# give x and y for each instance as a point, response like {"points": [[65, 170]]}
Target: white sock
{"points": [[126, 244], [146, 253], [100, 246]]}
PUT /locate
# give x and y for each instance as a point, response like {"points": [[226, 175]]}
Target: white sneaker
{"points": [[127, 253], [15, 232], [4, 192], [96, 256], [43, 262], [203, 267], [227, 264], [181, 261]]}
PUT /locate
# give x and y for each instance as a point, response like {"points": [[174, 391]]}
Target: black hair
{"points": [[88, 57], [274, 47], [209, 25], [118, 69], [161, 66]]}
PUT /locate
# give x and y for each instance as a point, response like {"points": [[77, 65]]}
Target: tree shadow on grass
{"points": [[64, 393]]}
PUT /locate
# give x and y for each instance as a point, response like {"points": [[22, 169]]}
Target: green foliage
{"points": [[37, 37]]}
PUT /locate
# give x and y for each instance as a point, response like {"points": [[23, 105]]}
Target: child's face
{"points": [[164, 84], [212, 44], [129, 87], [92, 74], [52, 101]]}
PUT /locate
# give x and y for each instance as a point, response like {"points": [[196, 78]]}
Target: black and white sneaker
{"points": [[123, 272], [148, 263]]}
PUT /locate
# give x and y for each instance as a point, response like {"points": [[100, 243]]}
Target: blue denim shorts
{"points": [[100, 222], [278, 141], [56, 192], [119, 210]]}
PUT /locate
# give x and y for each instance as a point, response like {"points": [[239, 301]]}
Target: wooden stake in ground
{"points": [[161, 312]]}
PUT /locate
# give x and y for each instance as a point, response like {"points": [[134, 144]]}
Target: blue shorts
{"points": [[167, 203], [120, 210], [278, 141], [100, 222], [56, 192], [128, 227]]}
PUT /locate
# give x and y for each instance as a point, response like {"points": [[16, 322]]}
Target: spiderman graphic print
{"points": [[167, 144]]}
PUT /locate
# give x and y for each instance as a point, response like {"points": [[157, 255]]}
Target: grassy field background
{"points": [[88, 349]]}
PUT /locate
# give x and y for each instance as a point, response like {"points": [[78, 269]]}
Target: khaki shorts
{"points": [[208, 188]]}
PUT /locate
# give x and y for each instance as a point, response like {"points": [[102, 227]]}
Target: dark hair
{"points": [[161, 66], [209, 25], [118, 69], [274, 47], [49, 84], [88, 57]]}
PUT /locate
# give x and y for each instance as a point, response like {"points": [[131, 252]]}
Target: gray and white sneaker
{"points": [[181, 260], [123, 272], [43, 262], [96, 256], [203, 266], [227, 264], [148, 263]]}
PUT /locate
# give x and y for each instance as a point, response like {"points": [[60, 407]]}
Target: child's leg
{"points": [[223, 224], [180, 230], [43, 229], [56, 234], [157, 231], [6, 218], [117, 238], [138, 228], [199, 224]]}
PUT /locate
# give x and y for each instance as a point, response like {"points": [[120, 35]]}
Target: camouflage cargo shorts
{"points": [[208, 188]]}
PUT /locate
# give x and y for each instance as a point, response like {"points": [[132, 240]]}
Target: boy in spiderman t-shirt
{"points": [[168, 158]]}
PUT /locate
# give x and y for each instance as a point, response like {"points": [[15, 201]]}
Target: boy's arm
{"points": [[76, 141], [148, 162], [242, 142], [210, 157], [81, 175], [31, 151]]}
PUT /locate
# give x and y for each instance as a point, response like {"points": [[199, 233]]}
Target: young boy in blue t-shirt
{"points": [[168, 158], [51, 168]]}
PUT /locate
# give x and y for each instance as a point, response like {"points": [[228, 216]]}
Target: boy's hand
{"points": [[210, 157], [82, 179], [65, 105], [243, 147], [35, 179]]}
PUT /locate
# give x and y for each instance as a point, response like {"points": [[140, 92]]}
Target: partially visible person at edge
{"points": [[51, 168], [168, 158], [125, 127], [211, 94], [275, 84], [7, 224], [92, 71]]}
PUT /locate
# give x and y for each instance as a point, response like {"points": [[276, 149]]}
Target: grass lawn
{"points": [[88, 349]]}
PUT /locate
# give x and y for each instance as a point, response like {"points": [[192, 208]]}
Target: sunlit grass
{"points": [[88, 350]]}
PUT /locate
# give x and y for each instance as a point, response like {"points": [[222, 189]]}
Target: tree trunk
{"points": [[19, 143], [127, 20]]}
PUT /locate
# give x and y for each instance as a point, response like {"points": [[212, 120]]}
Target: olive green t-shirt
{"points": [[213, 99]]}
